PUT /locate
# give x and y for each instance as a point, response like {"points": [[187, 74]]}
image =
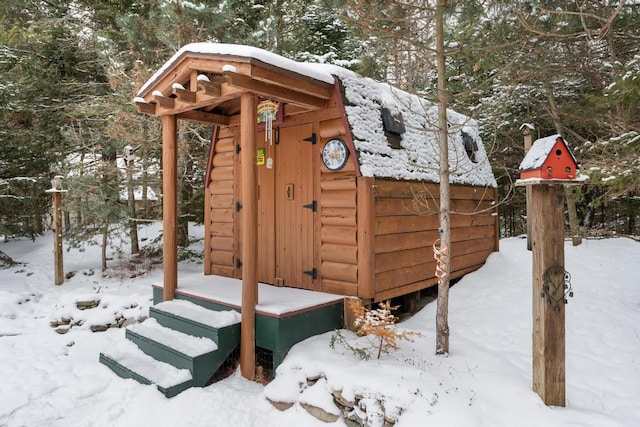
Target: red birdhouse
{"points": [[549, 158]]}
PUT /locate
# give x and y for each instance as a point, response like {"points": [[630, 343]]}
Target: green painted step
{"points": [[181, 345], [128, 361], [223, 327]]}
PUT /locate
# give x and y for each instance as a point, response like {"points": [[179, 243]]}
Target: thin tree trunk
{"points": [[105, 239], [442, 314], [568, 193], [133, 227]]}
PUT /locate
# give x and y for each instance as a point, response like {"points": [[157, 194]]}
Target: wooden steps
{"points": [[181, 345]]}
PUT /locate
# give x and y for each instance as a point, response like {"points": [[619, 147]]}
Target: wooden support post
{"points": [[169, 206], [57, 238], [547, 218], [56, 194], [249, 235], [131, 200]]}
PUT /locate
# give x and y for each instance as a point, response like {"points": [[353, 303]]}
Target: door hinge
{"points": [[313, 206], [312, 139], [238, 149], [238, 206], [313, 273], [238, 263]]}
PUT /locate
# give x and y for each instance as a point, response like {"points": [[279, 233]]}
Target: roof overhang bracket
{"points": [[269, 90]]}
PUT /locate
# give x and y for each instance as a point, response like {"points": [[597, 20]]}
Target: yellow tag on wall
{"points": [[260, 155]]}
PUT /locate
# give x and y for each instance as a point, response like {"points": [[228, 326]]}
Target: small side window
{"points": [[393, 127], [470, 146]]}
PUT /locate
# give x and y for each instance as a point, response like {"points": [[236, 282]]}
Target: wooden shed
{"points": [[345, 173], [320, 183]]}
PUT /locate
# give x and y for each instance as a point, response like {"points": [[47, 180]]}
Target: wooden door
{"points": [[286, 210], [294, 207]]}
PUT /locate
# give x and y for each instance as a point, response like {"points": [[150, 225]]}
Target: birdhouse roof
{"points": [[540, 150]]}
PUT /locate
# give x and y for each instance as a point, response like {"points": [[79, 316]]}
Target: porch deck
{"points": [[284, 316]]}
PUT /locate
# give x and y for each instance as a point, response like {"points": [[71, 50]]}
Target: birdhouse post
{"points": [[547, 167], [56, 193]]}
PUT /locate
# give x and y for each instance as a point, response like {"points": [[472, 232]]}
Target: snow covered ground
{"points": [[52, 379]]}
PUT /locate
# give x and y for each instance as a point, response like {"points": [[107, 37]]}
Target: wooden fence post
{"points": [[56, 193], [547, 232]]}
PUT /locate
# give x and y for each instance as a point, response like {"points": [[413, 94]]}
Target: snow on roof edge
{"points": [[226, 49]]}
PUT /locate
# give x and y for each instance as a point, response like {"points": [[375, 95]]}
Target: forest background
{"points": [[69, 72]]}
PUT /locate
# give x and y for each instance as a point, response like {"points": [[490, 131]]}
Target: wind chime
{"points": [[267, 114]]}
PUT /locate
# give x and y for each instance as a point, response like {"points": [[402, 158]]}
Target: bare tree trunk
{"points": [[105, 239], [569, 194], [133, 227], [444, 266]]}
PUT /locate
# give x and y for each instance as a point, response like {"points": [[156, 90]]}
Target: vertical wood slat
{"points": [[548, 344], [249, 223], [266, 215], [294, 223], [366, 228], [169, 206], [207, 233]]}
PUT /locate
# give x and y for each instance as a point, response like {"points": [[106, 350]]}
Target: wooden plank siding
{"points": [[220, 226], [338, 271], [372, 238], [406, 225]]}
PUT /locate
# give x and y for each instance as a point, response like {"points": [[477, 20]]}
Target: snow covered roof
{"points": [[416, 155], [234, 50], [540, 150]]}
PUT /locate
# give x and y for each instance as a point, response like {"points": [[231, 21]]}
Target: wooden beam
{"points": [[209, 88], [202, 100], [146, 108], [204, 117], [185, 95], [169, 206], [270, 90], [303, 84], [547, 240], [366, 234], [249, 235], [164, 101]]}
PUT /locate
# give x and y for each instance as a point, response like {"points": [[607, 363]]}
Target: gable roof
{"points": [[415, 158], [540, 150]]}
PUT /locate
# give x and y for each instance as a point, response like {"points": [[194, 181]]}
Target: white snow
{"points": [[271, 300], [185, 344], [138, 193], [127, 354], [203, 78], [47, 379], [189, 310]]}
